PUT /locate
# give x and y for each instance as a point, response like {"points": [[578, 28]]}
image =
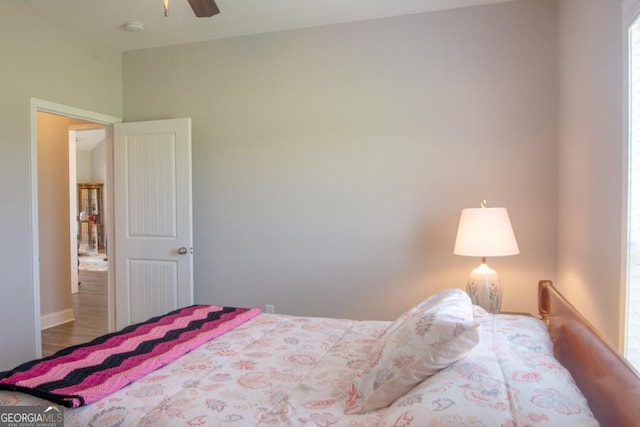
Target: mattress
{"points": [[285, 370]]}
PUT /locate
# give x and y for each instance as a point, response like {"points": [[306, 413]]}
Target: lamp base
{"points": [[484, 288]]}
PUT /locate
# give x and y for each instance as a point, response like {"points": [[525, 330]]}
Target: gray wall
{"points": [[45, 62], [330, 164], [83, 166], [591, 159], [98, 163]]}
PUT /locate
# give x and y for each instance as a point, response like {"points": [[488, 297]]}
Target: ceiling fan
{"points": [[201, 8]]}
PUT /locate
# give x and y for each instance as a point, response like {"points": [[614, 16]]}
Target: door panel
{"points": [[153, 288], [153, 220]]}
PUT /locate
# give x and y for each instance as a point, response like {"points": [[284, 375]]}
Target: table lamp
{"points": [[485, 232]]}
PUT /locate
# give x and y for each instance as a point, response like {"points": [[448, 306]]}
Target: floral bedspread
{"points": [[297, 371]]}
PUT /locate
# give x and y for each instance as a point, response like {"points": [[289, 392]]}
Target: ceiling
{"points": [[103, 20], [88, 139]]}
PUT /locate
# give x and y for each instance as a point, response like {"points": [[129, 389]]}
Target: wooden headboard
{"points": [[610, 384]]}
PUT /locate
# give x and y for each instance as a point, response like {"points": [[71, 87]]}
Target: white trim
{"points": [[36, 105], [52, 107], [35, 230], [631, 13], [109, 229], [73, 212], [624, 257], [54, 319]]}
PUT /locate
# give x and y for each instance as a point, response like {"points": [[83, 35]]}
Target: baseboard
{"points": [[58, 318]]}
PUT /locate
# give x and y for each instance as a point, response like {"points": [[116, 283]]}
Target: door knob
{"points": [[182, 250]]}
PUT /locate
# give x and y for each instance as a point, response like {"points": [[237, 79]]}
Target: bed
{"points": [[610, 384], [489, 370]]}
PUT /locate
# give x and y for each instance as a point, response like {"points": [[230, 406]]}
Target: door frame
{"points": [[37, 105]]}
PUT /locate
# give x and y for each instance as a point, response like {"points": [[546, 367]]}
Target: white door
{"points": [[152, 214]]}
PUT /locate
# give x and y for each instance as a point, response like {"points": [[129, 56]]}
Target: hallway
{"points": [[90, 312]]}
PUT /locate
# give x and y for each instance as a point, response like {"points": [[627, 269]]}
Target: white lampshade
{"points": [[485, 232]]}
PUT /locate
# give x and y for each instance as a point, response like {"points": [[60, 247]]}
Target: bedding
{"points": [[285, 370], [88, 372], [430, 336]]}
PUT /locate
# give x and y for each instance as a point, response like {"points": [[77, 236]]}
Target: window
{"points": [[632, 326]]}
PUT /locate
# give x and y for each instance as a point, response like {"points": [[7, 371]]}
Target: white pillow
{"points": [[432, 335]]}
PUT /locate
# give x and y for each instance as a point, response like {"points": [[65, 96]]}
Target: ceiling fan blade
{"points": [[204, 8]]}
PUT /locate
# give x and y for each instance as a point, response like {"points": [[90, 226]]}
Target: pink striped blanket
{"points": [[85, 373]]}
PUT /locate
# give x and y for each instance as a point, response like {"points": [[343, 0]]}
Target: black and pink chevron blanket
{"points": [[85, 373]]}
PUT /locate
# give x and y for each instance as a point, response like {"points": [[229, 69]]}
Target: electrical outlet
{"points": [[269, 308]]}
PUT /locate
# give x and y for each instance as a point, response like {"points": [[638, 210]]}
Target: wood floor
{"points": [[90, 312]]}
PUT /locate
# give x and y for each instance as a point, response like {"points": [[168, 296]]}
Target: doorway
{"points": [[165, 175], [87, 189], [42, 214], [87, 293]]}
